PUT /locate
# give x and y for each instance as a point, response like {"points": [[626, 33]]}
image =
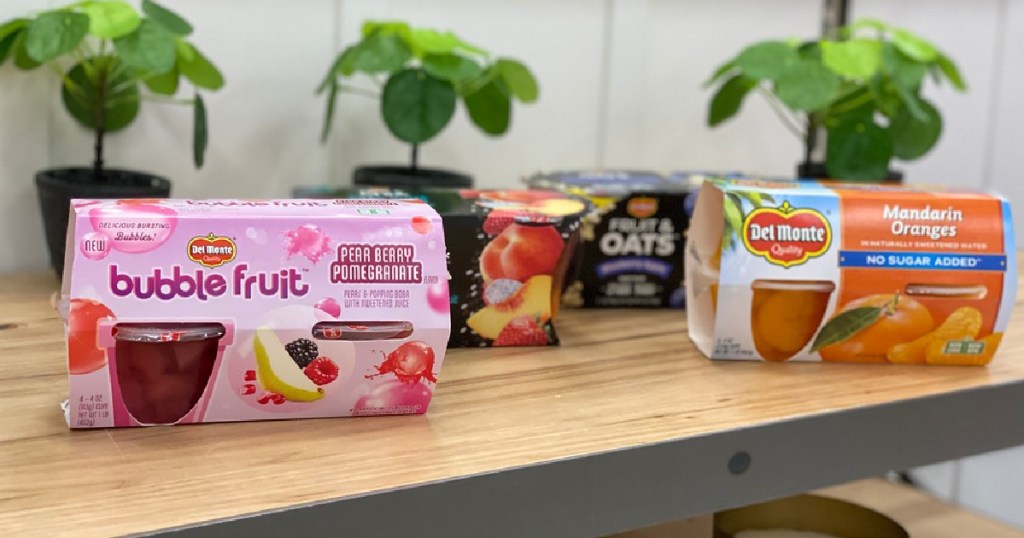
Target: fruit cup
{"points": [[360, 331], [785, 314], [162, 370]]}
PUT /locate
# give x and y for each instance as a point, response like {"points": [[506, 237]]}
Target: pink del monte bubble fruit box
{"points": [[182, 311]]}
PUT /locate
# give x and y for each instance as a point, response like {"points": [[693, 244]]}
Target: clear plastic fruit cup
{"points": [[362, 330], [163, 368], [785, 315]]}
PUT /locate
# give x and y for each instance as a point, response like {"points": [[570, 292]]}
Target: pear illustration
{"points": [[278, 373]]}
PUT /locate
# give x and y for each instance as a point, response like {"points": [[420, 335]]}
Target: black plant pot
{"points": [[401, 177], [815, 170], [58, 186]]}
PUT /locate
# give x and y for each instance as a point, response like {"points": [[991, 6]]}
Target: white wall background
{"points": [[620, 86]]}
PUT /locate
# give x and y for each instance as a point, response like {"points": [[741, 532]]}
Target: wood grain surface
{"points": [[620, 379]]}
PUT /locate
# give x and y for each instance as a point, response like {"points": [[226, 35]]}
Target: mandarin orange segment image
{"points": [[964, 323], [870, 326], [963, 353], [785, 315]]}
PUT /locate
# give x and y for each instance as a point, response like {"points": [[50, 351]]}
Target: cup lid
{"points": [[166, 332]]}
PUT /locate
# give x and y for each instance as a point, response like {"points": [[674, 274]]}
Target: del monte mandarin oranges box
{"points": [[785, 270]]}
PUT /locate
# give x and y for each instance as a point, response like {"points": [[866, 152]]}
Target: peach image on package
{"points": [[785, 315]]}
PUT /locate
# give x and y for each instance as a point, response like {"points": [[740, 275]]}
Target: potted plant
{"points": [[106, 53], [426, 72], [863, 90]]}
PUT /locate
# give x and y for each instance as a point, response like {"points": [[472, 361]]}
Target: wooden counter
{"points": [[625, 425]]}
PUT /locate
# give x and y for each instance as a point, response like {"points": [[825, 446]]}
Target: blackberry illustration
{"points": [[302, 351]]}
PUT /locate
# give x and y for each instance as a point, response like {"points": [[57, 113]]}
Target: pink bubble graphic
{"points": [[134, 228], [95, 246], [407, 398], [422, 225], [437, 297], [308, 240], [330, 306]]}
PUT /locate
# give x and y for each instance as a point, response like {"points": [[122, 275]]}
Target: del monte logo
{"points": [[211, 250], [785, 235]]}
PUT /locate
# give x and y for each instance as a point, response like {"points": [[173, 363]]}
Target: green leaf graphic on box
{"points": [[733, 218], [846, 325]]}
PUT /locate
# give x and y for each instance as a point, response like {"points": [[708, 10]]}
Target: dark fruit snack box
{"points": [[189, 311], [633, 240], [510, 255]]}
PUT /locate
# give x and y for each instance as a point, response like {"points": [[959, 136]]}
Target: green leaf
{"points": [[184, 50], [911, 137], [490, 106], [733, 214], [949, 69], [149, 48], [720, 73], [912, 103], [452, 67], [400, 29], [108, 20], [416, 106], [519, 79], [914, 46], [856, 105], [7, 43], [767, 59], [902, 70], [885, 96], [200, 71], [332, 98], [165, 84], [55, 33], [873, 24], [12, 26], [337, 68], [105, 102], [170, 20], [807, 85], [425, 41], [727, 100], [379, 53], [845, 325], [858, 150], [858, 59], [200, 133], [21, 58]]}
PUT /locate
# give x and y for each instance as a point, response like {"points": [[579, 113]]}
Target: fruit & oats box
{"points": [[849, 273], [186, 311], [510, 255], [633, 240]]}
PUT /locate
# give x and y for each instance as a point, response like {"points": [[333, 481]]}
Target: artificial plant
{"points": [[863, 89], [104, 52], [425, 73]]}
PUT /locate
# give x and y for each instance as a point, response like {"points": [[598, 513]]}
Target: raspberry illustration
{"points": [[250, 375], [248, 389], [302, 351], [321, 371]]}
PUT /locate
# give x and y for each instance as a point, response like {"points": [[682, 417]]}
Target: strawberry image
{"points": [[523, 331], [321, 371], [497, 220]]}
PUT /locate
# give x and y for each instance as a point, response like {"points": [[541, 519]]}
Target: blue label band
{"points": [[922, 260], [649, 266]]}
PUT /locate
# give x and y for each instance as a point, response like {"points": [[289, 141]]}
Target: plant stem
{"points": [[811, 139], [358, 91], [415, 157], [100, 113], [167, 100], [783, 114]]}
